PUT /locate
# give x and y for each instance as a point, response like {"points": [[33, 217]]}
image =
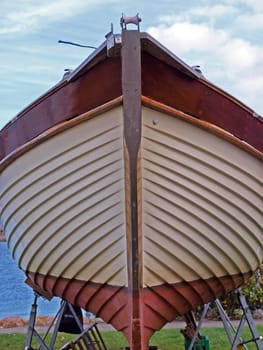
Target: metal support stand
{"points": [[233, 334], [246, 317], [31, 332], [199, 325], [87, 336]]}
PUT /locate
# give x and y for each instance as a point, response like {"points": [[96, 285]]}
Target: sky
{"points": [[224, 37]]}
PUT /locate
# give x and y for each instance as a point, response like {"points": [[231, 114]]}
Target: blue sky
{"points": [[224, 37]]}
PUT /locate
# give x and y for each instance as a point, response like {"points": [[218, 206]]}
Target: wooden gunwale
{"points": [[148, 102], [195, 96], [58, 129], [66, 101], [152, 46], [50, 109], [216, 130]]}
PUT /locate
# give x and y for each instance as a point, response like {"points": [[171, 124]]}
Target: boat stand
{"points": [[233, 334], [89, 338]]}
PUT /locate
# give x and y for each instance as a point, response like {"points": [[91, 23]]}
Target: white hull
{"points": [[64, 209]]}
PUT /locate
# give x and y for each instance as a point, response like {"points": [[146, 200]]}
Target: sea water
{"points": [[15, 296]]}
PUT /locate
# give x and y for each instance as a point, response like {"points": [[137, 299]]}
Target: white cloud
{"points": [[18, 19], [28, 16], [210, 14], [255, 5], [239, 15], [241, 56], [212, 11], [250, 13], [249, 22], [187, 37]]}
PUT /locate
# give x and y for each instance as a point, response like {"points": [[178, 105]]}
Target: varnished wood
{"points": [[131, 87], [199, 99]]}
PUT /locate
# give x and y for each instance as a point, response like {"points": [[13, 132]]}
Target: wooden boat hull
{"points": [[133, 210]]}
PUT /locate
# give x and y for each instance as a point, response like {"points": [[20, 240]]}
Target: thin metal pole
{"points": [[59, 318], [247, 316], [31, 325], [75, 44], [206, 307]]}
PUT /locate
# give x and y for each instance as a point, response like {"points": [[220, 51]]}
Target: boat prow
{"points": [[133, 189]]}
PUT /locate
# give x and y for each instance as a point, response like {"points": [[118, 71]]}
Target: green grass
{"points": [[169, 339]]}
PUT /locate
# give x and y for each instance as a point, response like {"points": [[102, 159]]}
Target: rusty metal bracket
{"points": [[125, 20], [113, 43]]}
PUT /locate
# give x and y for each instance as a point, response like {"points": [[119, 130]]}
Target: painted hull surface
{"points": [[137, 214]]}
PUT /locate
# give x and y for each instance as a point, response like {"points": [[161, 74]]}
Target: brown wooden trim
{"points": [[67, 101], [39, 290], [200, 99], [58, 129], [131, 90], [160, 107], [157, 50], [159, 304], [131, 87], [227, 95]]}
